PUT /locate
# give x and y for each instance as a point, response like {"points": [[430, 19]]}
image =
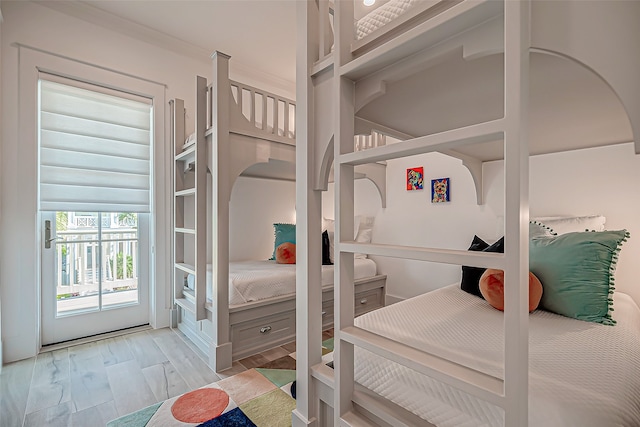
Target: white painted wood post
{"points": [[200, 203], [516, 320], [343, 96], [219, 161], [308, 227]]}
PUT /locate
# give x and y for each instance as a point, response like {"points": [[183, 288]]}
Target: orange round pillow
{"points": [[286, 253], [492, 289]]}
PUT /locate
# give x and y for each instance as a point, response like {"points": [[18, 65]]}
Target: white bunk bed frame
{"points": [[226, 144], [355, 72]]}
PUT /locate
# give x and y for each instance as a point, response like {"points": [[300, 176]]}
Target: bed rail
{"points": [[376, 27], [258, 113]]}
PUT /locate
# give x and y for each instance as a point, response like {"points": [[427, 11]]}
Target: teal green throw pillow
{"points": [[283, 233], [576, 271]]}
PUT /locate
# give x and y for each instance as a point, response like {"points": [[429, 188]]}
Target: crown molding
{"points": [[86, 12]]}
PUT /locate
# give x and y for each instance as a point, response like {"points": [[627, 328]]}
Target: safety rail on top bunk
{"points": [[266, 115], [371, 32]]}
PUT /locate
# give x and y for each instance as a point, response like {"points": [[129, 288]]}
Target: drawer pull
{"points": [[265, 329], [324, 312], [363, 301]]}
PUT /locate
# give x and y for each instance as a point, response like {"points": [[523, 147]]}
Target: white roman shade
{"points": [[95, 149]]}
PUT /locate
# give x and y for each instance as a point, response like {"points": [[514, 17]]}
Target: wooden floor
{"points": [[90, 384]]}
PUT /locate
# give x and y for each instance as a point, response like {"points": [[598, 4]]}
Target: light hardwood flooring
{"points": [[90, 384]]}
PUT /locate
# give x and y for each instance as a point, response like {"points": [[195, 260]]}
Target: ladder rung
{"points": [[185, 230], [481, 385], [474, 134], [186, 153], [186, 192], [186, 304], [445, 256], [189, 295], [187, 268]]}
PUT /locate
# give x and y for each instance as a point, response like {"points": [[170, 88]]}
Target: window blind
{"points": [[95, 150]]}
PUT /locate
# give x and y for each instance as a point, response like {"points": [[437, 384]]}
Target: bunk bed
{"points": [[447, 342], [234, 310]]}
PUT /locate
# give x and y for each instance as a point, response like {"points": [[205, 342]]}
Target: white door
{"points": [[95, 150], [93, 273]]}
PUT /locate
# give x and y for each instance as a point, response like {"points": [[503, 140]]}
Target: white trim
{"points": [[30, 61]]}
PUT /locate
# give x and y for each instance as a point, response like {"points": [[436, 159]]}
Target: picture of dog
{"points": [[440, 190]]}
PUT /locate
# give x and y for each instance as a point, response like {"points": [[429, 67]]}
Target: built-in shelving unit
{"points": [[190, 212]]}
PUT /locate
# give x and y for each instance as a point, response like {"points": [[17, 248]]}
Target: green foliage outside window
{"points": [[119, 265]]}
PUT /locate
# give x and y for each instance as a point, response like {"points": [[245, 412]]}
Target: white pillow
{"points": [[570, 224], [362, 230], [365, 230]]}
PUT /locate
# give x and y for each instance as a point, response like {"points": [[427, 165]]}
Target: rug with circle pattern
{"points": [[257, 397]]}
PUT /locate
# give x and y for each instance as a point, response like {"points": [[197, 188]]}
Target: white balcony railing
{"points": [[87, 264]]}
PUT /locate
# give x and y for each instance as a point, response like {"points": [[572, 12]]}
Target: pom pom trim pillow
{"points": [[577, 272], [283, 233], [568, 224]]}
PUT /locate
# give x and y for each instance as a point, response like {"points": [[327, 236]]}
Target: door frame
{"points": [[26, 239]]}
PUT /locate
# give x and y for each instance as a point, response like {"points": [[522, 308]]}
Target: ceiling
{"points": [[258, 34]]}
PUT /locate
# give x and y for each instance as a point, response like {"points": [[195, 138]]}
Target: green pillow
{"points": [[576, 271], [283, 233]]}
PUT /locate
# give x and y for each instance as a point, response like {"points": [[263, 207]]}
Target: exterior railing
{"points": [[85, 263]]}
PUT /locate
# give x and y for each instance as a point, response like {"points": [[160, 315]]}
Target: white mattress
{"points": [[256, 280], [382, 15], [581, 374]]}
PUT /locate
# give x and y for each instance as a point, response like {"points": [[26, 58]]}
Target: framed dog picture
{"points": [[440, 190], [415, 178]]}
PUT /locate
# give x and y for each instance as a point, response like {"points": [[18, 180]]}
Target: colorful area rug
{"points": [[257, 397]]}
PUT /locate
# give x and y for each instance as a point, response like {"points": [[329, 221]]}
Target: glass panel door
{"points": [[93, 273], [96, 261]]}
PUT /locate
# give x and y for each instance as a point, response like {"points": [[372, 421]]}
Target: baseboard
{"points": [[194, 337]]}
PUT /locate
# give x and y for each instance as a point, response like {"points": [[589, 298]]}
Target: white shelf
{"points": [[186, 192], [186, 304], [451, 139], [185, 230], [187, 154], [187, 268]]}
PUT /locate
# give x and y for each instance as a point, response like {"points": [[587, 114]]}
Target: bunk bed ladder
{"points": [[511, 394], [190, 212]]}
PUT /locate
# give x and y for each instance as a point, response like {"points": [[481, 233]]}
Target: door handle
{"points": [[47, 235]]}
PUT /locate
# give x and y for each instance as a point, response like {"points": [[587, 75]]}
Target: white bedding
{"points": [[382, 15], [581, 374], [256, 280]]}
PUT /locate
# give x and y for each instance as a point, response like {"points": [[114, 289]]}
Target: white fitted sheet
{"points": [[581, 374], [256, 280], [382, 15]]}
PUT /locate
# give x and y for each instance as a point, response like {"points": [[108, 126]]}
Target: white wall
{"points": [[43, 28], [600, 180], [593, 181], [256, 204], [411, 219]]}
